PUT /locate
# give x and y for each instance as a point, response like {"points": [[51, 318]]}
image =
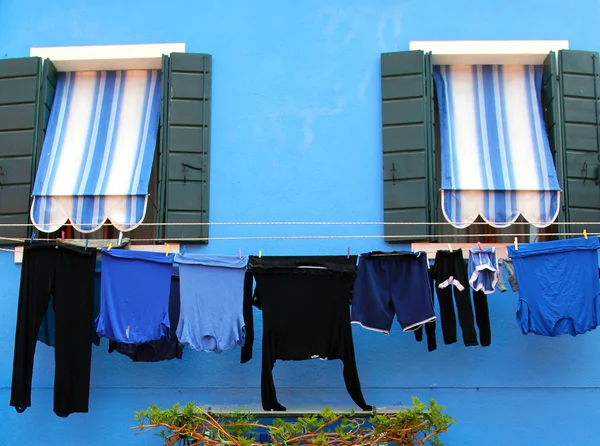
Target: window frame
{"points": [[484, 52], [109, 57]]}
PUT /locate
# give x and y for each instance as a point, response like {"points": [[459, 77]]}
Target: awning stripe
{"points": [[495, 154], [99, 149]]}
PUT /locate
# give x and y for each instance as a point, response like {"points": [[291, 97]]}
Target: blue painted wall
{"points": [[296, 137]]}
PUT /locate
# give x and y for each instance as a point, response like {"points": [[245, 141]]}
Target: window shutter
{"points": [[551, 109], [580, 108], [20, 105], [408, 155], [185, 161], [48, 88]]}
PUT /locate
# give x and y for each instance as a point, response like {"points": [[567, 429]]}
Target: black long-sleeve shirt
{"points": [[305, 304]]}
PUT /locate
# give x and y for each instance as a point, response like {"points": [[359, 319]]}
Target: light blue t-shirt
{"points": [[212, 295]]}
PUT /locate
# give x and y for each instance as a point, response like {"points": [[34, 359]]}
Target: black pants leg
{"points": [[34, 294], [465, 316], [68, 274], [447, 314], [482, 315]]}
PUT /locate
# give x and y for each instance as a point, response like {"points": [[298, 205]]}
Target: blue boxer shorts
{"points": [[392, 284]]}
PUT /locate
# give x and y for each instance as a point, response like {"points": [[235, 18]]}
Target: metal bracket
{"points": [[186, 166]]}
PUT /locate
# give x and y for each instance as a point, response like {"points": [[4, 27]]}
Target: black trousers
{"points": [[450, 274], [66, 273]]}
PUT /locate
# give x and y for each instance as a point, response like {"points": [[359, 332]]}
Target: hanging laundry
{"points": [[430, 326], [134, 307], [558, 286], [507, 264], [482, 317], [389, 284], [450, 274], [305, 304], [483, 269], [164, 349], [212, 299], [500, 285], [66, 273], [46, 333]]}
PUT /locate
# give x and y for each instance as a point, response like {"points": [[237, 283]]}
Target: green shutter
{"points": [[48, 88], [408, 156], [551, 108], [162, 144], [580, 108], [185, 158], [20, 106]]}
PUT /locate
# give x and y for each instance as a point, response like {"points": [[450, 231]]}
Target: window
{"points": [[411, 134], [178, 185]]}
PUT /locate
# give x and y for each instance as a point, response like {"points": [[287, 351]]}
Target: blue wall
{"points": [[296, 137]]}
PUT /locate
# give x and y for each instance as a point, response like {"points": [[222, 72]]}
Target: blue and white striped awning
{"points": [[495, 156], [98, 151]]}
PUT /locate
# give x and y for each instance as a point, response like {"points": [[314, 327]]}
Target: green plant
{"points": [[191, 425]]}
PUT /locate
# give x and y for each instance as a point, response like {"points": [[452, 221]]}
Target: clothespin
{"points": [[585, 234], [86, 244], [166, 249], [516, 244], [449, 247], [109, 246], [240, 253], [259, 254], [120, 238], [32, 237], [348, 253], [62, 235], [480, 245]]}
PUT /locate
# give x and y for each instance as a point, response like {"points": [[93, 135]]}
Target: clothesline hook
{"points": [[585, 233], [166, 250], [86, 244], [348, 253], [259, 254], [480, 245], [240, 253], [32, 237]]}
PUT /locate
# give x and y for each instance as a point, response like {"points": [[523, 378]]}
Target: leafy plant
{"points": [[191, 425]]}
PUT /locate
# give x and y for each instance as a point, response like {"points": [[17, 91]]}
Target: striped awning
{"points": [[495, 156], [98, 151]]}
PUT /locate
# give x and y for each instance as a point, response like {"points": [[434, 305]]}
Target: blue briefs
{"points": [[392, 284], [483, 269], [212, 299], [134, 304], [558, 286]]}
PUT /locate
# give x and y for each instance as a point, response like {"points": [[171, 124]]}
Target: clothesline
{"points": [[318, 237], [315, 223]]}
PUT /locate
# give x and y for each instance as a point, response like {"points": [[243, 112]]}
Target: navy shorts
{"points": [[392, 284]]}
